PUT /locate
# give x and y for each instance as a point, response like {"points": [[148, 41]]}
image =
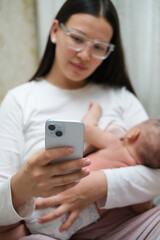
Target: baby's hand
{"points": [[93, 115]]}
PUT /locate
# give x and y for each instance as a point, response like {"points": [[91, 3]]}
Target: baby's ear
{"points": [[134, 134]]}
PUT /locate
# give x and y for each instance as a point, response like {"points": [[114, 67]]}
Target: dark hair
{"points": [[112, 71], [148, 149]]}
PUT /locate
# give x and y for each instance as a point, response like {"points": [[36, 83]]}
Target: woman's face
{"points": [[71, 67]]}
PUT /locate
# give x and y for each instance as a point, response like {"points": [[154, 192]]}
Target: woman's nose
{"points": [[85, 54]]}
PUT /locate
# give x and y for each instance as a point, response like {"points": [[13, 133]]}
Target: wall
{"points": [[46, 12], [140, 28], [18, 43]]}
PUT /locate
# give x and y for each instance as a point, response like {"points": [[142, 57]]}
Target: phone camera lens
{"points": [[58, 133], [51, 127]]}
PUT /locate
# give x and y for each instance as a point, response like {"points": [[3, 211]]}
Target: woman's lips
{"points": [[78, 67]]}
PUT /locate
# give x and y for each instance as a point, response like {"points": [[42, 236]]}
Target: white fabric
{"points": [[22, 122], [7, 209], [140, 21], [87, 216], [37, 237]]}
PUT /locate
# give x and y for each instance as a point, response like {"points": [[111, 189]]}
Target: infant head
{"points": [[148, 147]]}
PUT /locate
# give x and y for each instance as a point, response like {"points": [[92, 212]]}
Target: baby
{"points": [[140, 145]]}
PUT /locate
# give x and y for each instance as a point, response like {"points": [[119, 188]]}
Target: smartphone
{"points": [[61, 133]]}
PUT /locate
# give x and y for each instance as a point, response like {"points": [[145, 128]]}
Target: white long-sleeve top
{"points": [[23, 113]]}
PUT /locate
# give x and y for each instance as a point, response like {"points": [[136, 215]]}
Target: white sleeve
{"points": [[10, 216], [11, 155], [131, 185]]}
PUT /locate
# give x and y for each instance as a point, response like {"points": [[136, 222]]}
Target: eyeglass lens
{"points": [[78, 42]]}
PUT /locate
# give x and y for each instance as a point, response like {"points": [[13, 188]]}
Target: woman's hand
{"points": [[86, 192], [36, 178]]}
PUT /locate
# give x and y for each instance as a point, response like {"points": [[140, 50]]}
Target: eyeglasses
{"points": [[78, 41]]}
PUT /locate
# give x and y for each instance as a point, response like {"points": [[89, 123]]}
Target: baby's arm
{"points": [[99, 138], [93, 134], [93, 115]]}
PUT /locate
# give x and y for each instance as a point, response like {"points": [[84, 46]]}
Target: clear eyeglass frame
{"points": [[103, 49]]}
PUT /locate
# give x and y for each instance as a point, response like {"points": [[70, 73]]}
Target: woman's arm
{"points": [[124, 190], [36, 178], [135, 184], [19, 181]]}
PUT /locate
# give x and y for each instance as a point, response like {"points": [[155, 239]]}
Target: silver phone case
{"points": [[72, 135]]}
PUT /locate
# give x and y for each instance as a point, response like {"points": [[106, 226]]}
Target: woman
{"points": [[83, 62]]}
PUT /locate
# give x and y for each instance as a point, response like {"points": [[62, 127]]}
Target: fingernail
{"points": [[86, 171], [40, 221], [86, 162], [90, 105], [69, 150]]}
